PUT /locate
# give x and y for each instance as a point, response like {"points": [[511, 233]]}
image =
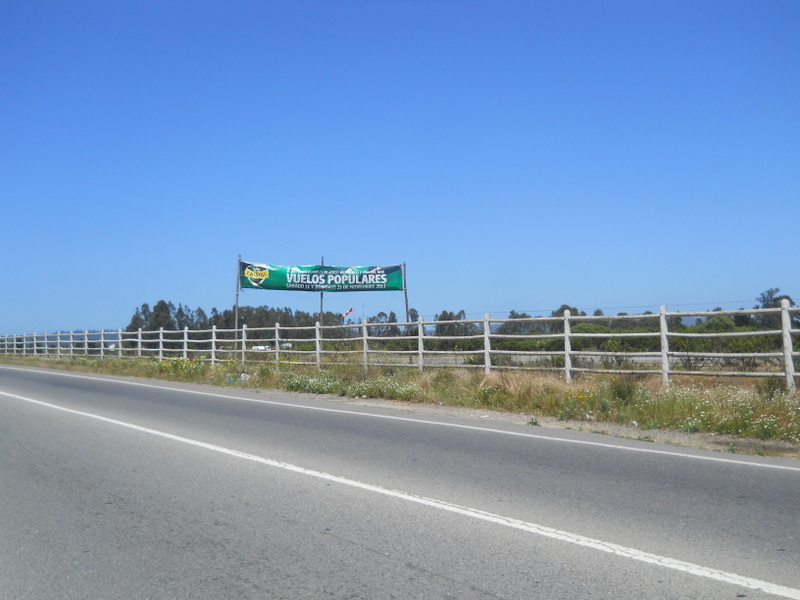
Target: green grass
{"points": [[761, 410]]}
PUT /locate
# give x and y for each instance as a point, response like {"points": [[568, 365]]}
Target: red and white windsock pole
{"points": [[347, 313]]}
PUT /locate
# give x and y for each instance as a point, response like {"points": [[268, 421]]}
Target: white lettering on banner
{"points": [[349, 279]]}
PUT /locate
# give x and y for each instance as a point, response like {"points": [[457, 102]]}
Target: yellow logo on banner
{"points": [[256, 273]]}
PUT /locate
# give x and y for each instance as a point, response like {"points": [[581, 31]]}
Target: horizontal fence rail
{"points": [[571, 344]]}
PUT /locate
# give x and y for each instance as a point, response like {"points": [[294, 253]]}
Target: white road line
{"points": [[671, 453], [565, 536]]}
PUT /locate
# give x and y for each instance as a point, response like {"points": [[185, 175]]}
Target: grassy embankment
{"points": [[759, 409]]}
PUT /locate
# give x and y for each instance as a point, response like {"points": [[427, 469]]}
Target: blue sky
{"points": [[515, 155]]}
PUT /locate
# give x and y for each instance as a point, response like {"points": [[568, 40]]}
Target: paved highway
{"points": [[122, 488]]}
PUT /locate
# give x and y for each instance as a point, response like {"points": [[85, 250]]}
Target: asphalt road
{"points": [[121, 488]]}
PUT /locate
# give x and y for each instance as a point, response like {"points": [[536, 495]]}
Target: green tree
{"points": [[453, 324], [184, 317], [139, 318], [162, 316], [558, 326], [200, 320], [519, 324], [771, 298], [716, 324]]}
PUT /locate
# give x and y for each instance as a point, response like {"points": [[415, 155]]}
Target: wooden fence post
{"points": [[487, 348], [318, 344], [788, 360], [277, 341], [662, 320], [567, 349], [213, 344], [185, 342], [244, 341], [420, 343], [366, 343], [161, 343]]}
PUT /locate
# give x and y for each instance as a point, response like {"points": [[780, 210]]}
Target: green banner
{"points": [[320, 278]]}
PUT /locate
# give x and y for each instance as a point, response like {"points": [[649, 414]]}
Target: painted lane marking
{"points": [[673, 454], [549, 532]]}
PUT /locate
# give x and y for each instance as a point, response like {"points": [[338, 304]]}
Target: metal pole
{"points": [[322, 264], [238, 288], [405, 291]]}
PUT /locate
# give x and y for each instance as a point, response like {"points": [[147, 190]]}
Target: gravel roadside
{"points": [[705, 441]]}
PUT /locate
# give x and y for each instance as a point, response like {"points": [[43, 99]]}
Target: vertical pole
{"points": [[567, 349], [185, 342], [277, 342], [238, 288], [213, 344], [405, 291], [420, 343], [786, 334], [119, 341], [662, 320], [71, 344], [487, 348], [102, 344], [366, 344], [160, 343], [86, 342], [322, 264], [139, 343], [318, 343], [46, 345]]}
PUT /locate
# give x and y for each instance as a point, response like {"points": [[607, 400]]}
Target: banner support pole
{"points": [[238, 289], [322, 264], [405, 291]]}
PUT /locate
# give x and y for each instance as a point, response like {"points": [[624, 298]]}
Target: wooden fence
{"points": [[571, 344]]}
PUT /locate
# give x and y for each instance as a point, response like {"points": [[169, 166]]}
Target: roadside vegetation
{"points": [[760, 409], [749, 409]]}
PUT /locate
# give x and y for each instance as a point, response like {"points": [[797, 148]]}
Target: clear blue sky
{"points": [[515, 154]]}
